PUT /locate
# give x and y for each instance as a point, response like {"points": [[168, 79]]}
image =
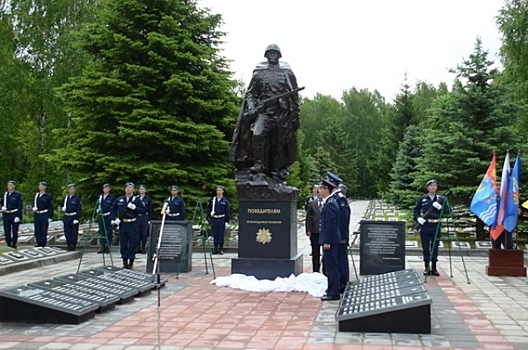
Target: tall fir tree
{"points": [[156, 105]]}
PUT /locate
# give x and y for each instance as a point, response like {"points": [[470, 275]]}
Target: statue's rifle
{"points": [[267, 102]]}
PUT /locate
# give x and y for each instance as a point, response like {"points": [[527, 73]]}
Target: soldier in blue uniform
{"points": [[12, 213], [218, 208], [43, 214], [426, 213], [72, 210], [175, 207], [144, 219], [330, 239], [344, 230], [105, 203], [126, 210]]}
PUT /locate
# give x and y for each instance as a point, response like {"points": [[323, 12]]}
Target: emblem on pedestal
{"points": [[263, 236]]}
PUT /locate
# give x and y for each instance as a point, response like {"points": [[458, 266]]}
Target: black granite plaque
{"points": [[382, 247], [396, 302], [126, 293], [143, 287], [176, 236], [267, 239], [105, 300], [36, 305], [135, 274]]}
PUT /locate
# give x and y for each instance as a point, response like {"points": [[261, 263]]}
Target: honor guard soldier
{"points": [[105, 203], [72, 210], [126, 210], [144, 219], [344, 230], [426, 213], [12, 214], [218, 207], [175, 208], [330, 239], [43, 214]]}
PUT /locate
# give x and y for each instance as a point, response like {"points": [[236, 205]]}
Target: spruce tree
{"points": [[156, 104]]}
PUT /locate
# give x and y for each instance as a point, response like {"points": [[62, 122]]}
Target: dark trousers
{"points": [[41, 231], [128, 239], [71, 231], [11, 229], [316, 252], [505, 236], [105, 229], [218, 232], [344, 268], [143, 229], [330, 258], [427, 234]]}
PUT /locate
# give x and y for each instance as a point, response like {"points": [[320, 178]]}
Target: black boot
{"points": [[221, 252], [69, 248], [101, 249], [215, 250], [125, 263], [131, 264], [138, 250], [427, 271], [434, 272], [143, 248]]}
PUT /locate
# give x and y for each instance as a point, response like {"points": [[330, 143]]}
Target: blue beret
{"points": [[43, 183], [130, 184], [220, 186], [144, 186], [106, 185], [71, 185], [432, 181], [174, 186], [327, 183], [11, 182], [334, 178]]}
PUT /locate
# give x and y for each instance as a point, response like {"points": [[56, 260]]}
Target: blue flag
{"points": [[512, 202], [484, 202]]}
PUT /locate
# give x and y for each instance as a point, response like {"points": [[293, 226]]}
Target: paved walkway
{"points": [[488, 313]]}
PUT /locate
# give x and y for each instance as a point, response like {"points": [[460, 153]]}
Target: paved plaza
{"points": [[488, 313]]}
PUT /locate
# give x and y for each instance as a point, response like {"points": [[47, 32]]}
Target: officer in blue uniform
{"points": [[12, 212], [218, 208], [344, 229], [144, 219], [426, 213], [126, 210], [330, 239], [175, 207], [72, 210], [42, 214], [105, 203]]}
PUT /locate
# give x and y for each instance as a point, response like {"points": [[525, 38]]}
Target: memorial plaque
{"points": [[372, 304], [134, 274], [105, 300], [31, 304], [16, 256], [31, 253], [382, 247], [47, 251], [4, 261], [462, 245], [176, 236], [126, 293], [143, 287]]}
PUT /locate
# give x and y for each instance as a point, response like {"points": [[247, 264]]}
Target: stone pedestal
{"points": [[506, 262], [267, 235]]}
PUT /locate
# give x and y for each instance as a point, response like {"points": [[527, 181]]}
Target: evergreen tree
{"points": [[156, 104]]}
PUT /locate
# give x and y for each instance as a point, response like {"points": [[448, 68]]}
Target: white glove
{"points": [[167, 211], [148, 223], [212, 213], [4, 208], [75, 222], [437, 205], [17, 219], [117, 222], [63, 208], [112, 222], [50, 220], [421, 221], [35, 208], [131, 206], [98, 210], [227, 225]]}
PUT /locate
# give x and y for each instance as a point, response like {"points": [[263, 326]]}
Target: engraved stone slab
{"points": [[102, 298], [483, 244], [48, 251], [5, 261], [411, 244], [31, 253], [16, 256], [462, 245]]}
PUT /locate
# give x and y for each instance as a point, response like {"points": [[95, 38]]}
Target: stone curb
{"points": [[27, 265]]}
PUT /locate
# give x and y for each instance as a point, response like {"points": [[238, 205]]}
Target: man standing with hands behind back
{"points": [[313, 216]]}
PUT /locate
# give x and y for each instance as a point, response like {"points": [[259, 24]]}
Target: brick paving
{"points": [[488, 313]]}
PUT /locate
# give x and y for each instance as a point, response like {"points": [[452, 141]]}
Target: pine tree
{"points": [[156, 105]]}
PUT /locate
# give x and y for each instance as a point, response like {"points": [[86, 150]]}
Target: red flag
{"points": [[498, 228]]}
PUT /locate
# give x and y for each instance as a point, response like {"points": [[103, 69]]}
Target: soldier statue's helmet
{"points": [[273, 47]]}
